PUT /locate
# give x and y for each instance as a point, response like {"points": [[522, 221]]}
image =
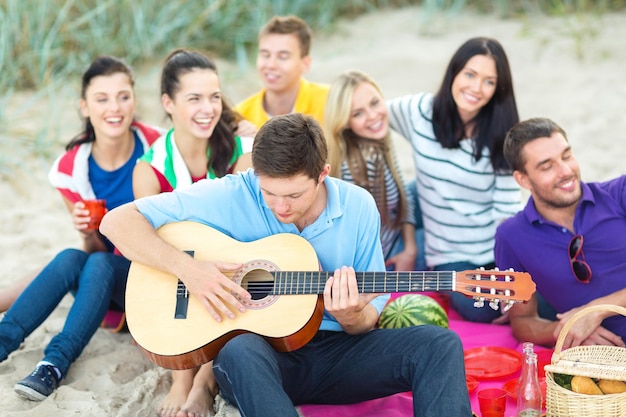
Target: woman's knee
{"points": [[65, 269], [100, 259], [71, 257], [102, 266]]}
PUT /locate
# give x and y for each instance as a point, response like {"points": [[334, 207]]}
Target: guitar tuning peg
{"points": [[480, 302], [494, 304], [508, 305]]}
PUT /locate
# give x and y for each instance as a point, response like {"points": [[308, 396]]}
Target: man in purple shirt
{"points": [[571, 238]]}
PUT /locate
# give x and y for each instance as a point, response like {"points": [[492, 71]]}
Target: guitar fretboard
{"points": [[287, 282]]}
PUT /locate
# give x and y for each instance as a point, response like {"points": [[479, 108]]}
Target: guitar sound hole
{"points": [[259, 283]]}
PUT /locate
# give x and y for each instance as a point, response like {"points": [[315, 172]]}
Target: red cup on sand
{"points": [[96, 208], [492, 402]]}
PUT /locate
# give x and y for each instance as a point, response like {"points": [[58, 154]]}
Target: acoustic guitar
{"points": [[281, 272]]}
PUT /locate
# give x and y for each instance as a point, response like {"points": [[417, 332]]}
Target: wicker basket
{"points": [[605, 362]]}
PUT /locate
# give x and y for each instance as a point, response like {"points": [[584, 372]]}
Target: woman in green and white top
{"points": [[201, 145]]}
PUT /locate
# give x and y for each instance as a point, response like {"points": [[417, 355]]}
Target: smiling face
{"points": [[109, 103], [197, 104], [368, 114], [474, 86], [280, 62], [551, 173], [295, 199]]}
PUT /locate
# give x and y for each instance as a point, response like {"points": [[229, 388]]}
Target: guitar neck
{"points": [[288, 282]]}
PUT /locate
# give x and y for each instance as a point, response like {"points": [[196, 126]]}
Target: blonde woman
{"points": [[356, 126]]}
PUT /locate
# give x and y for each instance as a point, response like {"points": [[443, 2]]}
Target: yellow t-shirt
{"points": [[311, 101]]}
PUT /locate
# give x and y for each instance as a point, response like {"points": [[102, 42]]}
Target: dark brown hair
{"points": [[101, 66], [493, 120], [525, 132], [289, 145], [222, 142]]}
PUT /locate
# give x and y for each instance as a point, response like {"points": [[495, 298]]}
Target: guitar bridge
{"points": [[182, 301], [182, 297]]}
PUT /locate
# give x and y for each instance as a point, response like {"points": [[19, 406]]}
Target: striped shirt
{"points": [[462, 200], [388, 235]]}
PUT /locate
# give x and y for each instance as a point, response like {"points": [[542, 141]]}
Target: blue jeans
{"points": [[412, 194], [398, 246], [95, 280], [337, 368]]}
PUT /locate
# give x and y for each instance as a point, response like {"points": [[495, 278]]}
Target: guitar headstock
{"points": [[496, 286]]}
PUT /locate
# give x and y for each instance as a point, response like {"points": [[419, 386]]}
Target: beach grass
{"points": [[56, 38], [45, 43], [43, 39]]}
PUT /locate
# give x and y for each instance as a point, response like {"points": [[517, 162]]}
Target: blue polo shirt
{"points": [[528, 242], [347, 233]]}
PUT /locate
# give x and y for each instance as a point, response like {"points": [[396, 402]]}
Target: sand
{"points": [[585, 94]]}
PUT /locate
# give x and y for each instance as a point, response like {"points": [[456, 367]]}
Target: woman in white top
{"points": [[465, 186]]}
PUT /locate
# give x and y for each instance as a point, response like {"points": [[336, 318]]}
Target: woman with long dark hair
{"points": [[464, 184], [98, 164]]}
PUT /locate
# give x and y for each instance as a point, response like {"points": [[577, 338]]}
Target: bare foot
{"points": [[199, 403], [173, 402]]}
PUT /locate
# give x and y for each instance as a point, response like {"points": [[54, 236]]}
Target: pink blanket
{"points": [[472, 335]]}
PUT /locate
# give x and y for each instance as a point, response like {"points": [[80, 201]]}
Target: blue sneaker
{"points": [[39, 384]]}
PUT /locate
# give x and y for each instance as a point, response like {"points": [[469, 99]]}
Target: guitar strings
{"points": [[313, 282]]}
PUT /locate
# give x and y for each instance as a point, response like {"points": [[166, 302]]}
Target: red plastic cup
{"points": [[96, 208], [492, 402]]}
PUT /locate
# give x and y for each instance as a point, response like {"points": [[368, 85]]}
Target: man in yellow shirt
{"points": [[283, 58]]}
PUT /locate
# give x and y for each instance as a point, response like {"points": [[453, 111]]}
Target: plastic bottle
{"points": [[528, 389]]}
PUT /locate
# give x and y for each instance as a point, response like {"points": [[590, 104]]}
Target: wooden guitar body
{"points": [[287, 322]]}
